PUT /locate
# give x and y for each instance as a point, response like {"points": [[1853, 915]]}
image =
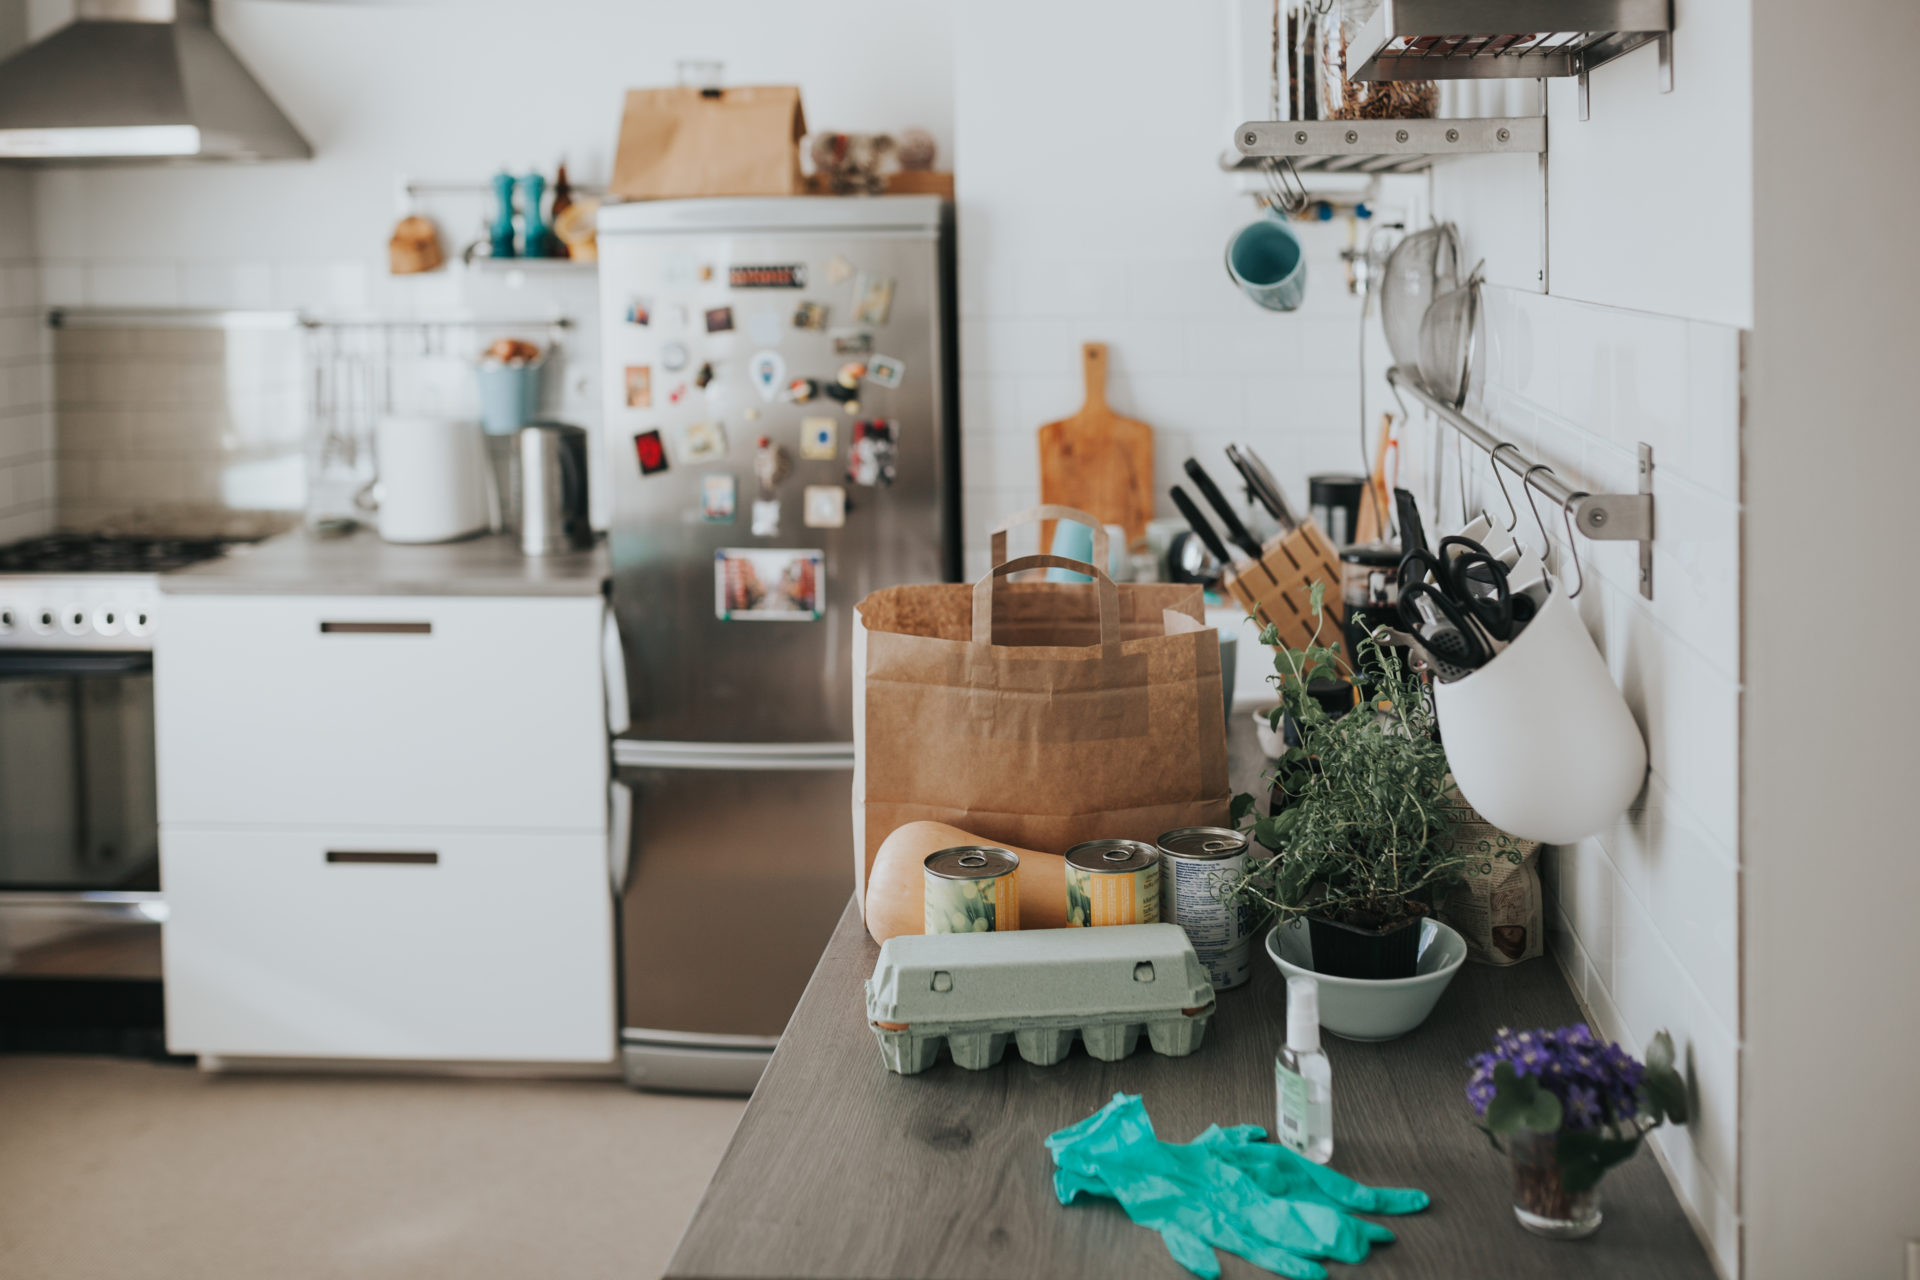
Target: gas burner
{"points": [[104, 553]]}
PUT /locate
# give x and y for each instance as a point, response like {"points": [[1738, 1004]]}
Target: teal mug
{"points": [[1265, 259]]}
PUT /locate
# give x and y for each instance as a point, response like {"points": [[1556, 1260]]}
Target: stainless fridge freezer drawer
{"points": [[736, 879]]}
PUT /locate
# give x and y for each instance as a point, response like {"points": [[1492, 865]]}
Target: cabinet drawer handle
{"points": [[376, 628], [402, 857]]}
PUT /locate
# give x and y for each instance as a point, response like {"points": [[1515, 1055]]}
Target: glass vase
{"points": [[1540, 1198]]}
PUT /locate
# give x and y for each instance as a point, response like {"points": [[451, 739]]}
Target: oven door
{"points": [[79, 833]]}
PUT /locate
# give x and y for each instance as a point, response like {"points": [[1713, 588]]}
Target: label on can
{"points": [[972, 889], [1113, 882], [1197, 867]]}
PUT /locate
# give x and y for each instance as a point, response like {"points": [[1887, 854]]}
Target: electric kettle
{"points": [[553, 489]]}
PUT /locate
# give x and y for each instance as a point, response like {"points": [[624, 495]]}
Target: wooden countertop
{"points": [[842, 1169]]}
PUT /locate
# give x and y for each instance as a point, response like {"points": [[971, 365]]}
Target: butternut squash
{"points": [[895, 886]]}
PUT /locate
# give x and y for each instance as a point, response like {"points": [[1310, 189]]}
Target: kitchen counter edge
{"points": [[360, 564]]}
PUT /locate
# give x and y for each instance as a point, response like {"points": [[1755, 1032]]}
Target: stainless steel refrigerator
{"points": [[781, 434]]}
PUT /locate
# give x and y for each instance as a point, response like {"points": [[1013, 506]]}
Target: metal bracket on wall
{"points": [[1603, 517]]}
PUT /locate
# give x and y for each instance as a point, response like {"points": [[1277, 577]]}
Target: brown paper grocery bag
{"points": [[709, 142], [1036, 713]]}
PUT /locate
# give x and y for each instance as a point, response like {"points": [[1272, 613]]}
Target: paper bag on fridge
{"points": [[1038, 714], [709, 142]]}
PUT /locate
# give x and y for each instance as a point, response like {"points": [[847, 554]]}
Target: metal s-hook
{"points": [[1494, 458], [1573, 549], [1526, 486]]}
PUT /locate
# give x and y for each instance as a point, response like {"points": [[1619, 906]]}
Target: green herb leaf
{"points": [[1241, 806], [1520, 1105]]}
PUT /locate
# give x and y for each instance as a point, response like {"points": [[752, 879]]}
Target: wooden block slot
{"points": [[1277, 589]]}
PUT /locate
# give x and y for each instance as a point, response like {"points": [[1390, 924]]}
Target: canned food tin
{"points": [[1113, 882], [972, 889], [1196, 865]]}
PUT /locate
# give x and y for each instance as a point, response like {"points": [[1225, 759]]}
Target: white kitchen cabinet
{"points": [[382, 711], [404, 943]]}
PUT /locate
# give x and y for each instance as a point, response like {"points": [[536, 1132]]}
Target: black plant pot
{"points": [[1343, 951]]}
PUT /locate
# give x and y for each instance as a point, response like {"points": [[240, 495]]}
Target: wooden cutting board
{"points": [[1097, 460]]}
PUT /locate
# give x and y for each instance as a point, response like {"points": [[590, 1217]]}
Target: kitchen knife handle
{"points": [[1201, 528], [1229, 519]]}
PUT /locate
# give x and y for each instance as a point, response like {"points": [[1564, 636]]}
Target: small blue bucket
{"points": [[1265, 259], [509, 396]]}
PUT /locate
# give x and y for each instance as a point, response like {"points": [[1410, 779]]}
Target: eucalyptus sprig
{"points": [[1364, 810]]}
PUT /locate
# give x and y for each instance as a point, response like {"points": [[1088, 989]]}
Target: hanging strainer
{"points": [[1422, 267]]}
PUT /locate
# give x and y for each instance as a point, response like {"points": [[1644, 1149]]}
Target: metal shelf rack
{"points": [[1383, 146], [1602, 517], [1504, 39]]}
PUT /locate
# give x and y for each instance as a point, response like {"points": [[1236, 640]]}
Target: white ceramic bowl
{"points": [[1373, 1008]]}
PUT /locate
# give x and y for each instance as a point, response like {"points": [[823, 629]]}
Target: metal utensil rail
{"points": [[1602, 517]]}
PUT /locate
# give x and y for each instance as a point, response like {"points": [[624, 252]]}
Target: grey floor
{"points": [[112, 1168]]}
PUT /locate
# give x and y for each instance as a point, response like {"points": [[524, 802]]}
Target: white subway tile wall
{"points": [[26, 414], [1644, 916], [1188, 353]]}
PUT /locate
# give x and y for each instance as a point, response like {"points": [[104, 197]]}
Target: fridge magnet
{"points": [[810, 315], [852, 342], [752, 414], [819, 439], [851, 408], [784, 276], [639, 386], [771, 464], [678, 393], [720, 320], [840, 393], [768, 369], [870, 454], [839, 270], [768, 584], [885, 371], [850, 374], [706, 272], [766, 517], [801, 390], [824, 506], [704, 375], [640, 311], [703, 440], [764, 327], [673, 357], [652, 452], [873, 300], [717, 492]]}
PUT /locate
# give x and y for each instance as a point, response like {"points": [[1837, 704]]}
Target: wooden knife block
{"points": [[1276, 588]]}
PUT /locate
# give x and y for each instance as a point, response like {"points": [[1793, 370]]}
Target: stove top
{"points": [[107, 553]]}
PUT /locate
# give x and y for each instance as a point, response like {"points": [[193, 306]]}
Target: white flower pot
{"points": [[1540, 740]]}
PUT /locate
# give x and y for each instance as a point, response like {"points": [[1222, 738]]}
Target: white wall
{"points": [[1832, 1174], [1092, 208], [1650, 277], [26, 427]]}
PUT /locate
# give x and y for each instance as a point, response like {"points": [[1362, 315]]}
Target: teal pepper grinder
{"points": [[500, 235], [537, 240]]}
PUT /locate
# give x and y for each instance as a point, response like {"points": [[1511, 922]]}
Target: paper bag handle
{"points": [[1051, 511], [1108, 593]]}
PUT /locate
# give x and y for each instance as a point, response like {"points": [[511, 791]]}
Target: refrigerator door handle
{"points": [[619, 834], [733, 755], [613, 667]]}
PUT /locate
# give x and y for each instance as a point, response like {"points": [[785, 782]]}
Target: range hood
{"points": [[138, 80]]}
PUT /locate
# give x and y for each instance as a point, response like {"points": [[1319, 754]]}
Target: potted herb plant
{"points": [[1570, 1108], [1360, 840]]}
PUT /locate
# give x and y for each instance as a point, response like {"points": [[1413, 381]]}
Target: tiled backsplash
{"points": [[26, 414], [1644, 916], [155, 417], [1189, 355]]}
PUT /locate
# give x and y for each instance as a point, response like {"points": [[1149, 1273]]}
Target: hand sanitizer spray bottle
{"points": [[1303, 1078]]}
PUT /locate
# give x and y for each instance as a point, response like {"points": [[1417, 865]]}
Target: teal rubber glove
{"points": [[1229, 1192]]}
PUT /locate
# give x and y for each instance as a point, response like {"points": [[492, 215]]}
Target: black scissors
{"points": [[1464, 614]]}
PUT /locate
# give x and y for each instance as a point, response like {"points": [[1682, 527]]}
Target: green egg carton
{"points": [[973, 992]]}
